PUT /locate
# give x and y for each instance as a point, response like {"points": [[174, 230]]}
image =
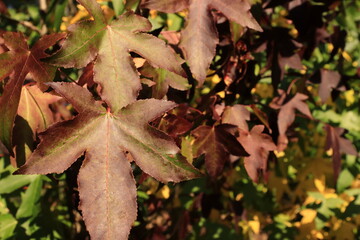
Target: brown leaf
{"points": [[106, 184], [329, 81], [258, 145], [168, 6], [339, 145], [236, 115], [87, 76], [287, 116], [20, 60], [34, 115], [199, 38], [216, 143]]}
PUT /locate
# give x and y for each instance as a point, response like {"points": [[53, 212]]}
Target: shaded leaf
{"points": [[169, 6], [329, 81], [258, 145], [110, 44], [163, 79], [106, 184], [200, 37], [30, 204], [87, 76], [217, 143], [174, 125], [236, 115], [339, 145], [34, 115], [20, 60], [287, 116]]}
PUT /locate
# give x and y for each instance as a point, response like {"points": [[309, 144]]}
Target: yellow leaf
{"points": [[163, 193], [216, 79], [255, 226], [308, 216], [320, 183], [349, 97], [346, 56]]}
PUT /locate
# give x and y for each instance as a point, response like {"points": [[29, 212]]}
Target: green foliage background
{"points": [[299, 200]]}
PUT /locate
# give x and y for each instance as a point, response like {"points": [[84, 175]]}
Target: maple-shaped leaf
{"points": [[329, 81], [236, 115], [200, 37], [287, 116], [34, 115], [163, 79], [169, 6], [110, 44], [217, 143], [20, 60], [258, 145], [339, 145], [106, 184]]}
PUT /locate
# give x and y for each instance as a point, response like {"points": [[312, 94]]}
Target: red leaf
{"points": [[216, 143], [258, 145], [329, 81], [20, 60], [287, 116]]}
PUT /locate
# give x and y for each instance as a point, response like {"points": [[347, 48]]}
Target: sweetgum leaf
{"points": [[34, 115], [110, 44], [329, 81], [339, 145], [236, 115], [258, 145], [287, 116], [199, 38], [163, 79], [21, 60], [106, 184], [169, 6], [216, 143]]}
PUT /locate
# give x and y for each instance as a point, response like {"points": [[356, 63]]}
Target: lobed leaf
{"points": [[106, 185], [20, 60], [110, 44]]}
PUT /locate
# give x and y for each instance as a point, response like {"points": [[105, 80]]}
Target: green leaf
{"points": [[30, 204], [7, 226], [345, 180], [12, 183], [110, 44]]}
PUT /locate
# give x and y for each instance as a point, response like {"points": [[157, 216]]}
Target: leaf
{"points": [[287, 116], [7, 226], [87, 76], [344, 181], [329, 81], [217, 143], [236, 115], [12, 183], [258, 145], [34, 107], [106, 184], [174, 125], [200, 37], [339, 145], [30, 205], [110, 44], [20, 60], [34, 115], [169, 6], [163, 79]]}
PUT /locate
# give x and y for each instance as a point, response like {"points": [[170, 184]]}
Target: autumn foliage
{"points": [[180, 119]]}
